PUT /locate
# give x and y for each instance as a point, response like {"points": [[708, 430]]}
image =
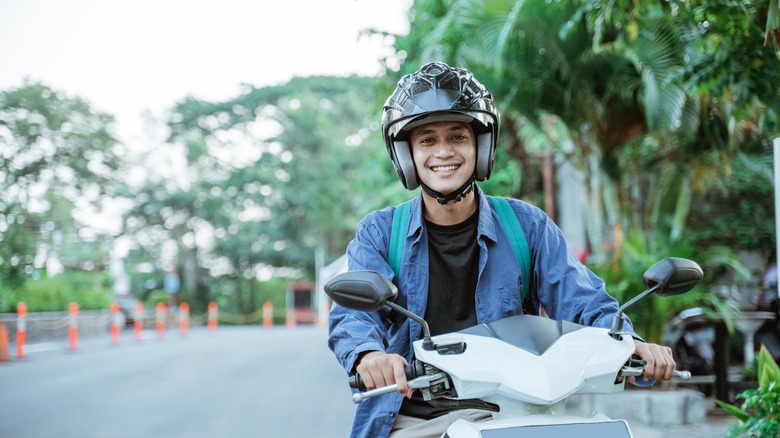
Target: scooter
{"points": [[521, 368]]}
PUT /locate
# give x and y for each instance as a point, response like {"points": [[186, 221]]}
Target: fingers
{"points": [[379, 369], [660, 363]]}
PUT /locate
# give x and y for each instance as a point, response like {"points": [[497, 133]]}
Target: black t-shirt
{"points": [[453, 272], [453, 256]]}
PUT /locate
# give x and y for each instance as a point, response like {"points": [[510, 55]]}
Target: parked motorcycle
{"points": [[691, 336], [769, 334], [521, 368]]}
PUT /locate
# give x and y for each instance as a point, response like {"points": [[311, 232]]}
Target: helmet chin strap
{"points": [[456, 195]]}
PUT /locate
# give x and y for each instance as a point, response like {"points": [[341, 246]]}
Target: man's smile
{"points": [[448, 168]]}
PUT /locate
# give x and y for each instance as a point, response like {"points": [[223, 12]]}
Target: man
{"points": [[458, 267]]}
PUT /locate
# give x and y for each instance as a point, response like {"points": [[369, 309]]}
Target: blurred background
{"points": [[189, 151]]}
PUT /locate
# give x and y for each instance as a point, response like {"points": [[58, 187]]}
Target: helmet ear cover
{"points": [[485, 155], [404, 164]]}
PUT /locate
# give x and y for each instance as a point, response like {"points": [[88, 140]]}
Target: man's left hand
{"points": [[660, 364]]}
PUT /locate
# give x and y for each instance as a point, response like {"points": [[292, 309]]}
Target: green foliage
{"points": [[623, 276], [277, 173], [53, 150], [8, 298], [759, 415], [92, 291], [655, 96], [241, 302], [156, 297], [740, 213]]}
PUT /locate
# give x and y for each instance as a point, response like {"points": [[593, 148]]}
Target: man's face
{"points": [[444, 154]]}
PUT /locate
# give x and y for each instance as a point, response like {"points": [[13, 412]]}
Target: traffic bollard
{"points": [[213, 309], [268, 314], [4, 343], [21, 329], [138, 324], [73, 325], [162, 310], [184, 318], [115, 322]]}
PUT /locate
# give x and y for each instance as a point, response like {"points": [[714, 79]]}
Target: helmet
{"points": [[438, 92]]}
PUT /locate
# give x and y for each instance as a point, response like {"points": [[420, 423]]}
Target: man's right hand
{"points": [[379, 369]]}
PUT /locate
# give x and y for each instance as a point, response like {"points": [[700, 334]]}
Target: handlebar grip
{"points": [[412, 371]]}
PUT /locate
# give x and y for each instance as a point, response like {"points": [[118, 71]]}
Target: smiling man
{"points": [[458, 267]]}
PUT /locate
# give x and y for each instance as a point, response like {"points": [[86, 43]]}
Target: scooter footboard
{"points": [[542, 426]]}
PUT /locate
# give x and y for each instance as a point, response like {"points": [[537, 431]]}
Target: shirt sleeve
{"points": [[351, 332], [565, 288]]}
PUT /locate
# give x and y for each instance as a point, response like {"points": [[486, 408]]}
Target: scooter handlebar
{"points": [[413, 370]]}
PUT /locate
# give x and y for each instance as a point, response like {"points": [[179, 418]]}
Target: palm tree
{"points": [[652, 113]]}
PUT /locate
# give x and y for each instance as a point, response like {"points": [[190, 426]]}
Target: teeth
{"points": [[444, 168]]}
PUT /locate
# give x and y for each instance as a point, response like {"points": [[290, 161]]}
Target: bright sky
{"points": [[125, 57]]}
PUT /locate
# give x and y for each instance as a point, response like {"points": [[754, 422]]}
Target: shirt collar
{"points": [[486, 226]]}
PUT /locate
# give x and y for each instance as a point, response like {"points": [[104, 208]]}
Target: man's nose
{"points": [[444, 149]]}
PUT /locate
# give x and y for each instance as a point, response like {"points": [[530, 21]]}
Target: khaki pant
{"points": [[412, 427]]}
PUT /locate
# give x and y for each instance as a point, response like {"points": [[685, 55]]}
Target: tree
{"points": [[54, 150], [275, 175], [655, 96]]}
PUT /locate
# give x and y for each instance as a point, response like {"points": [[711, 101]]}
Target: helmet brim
{"points": [[438, 117]]}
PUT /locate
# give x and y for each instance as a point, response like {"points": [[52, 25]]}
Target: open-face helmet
{"points": [[434, 93]]}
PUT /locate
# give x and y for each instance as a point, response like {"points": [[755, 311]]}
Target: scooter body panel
{"points": [[583, 360]]}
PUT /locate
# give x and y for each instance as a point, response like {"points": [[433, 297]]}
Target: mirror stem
{"points": [[617, 320], [427, 342]]}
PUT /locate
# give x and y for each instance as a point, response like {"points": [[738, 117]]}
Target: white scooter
{"points": [[520, 368]]}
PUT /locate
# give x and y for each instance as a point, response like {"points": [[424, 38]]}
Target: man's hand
{"points": [[660, 364], [379, 369]]}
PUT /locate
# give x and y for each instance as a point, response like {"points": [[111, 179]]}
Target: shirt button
{"points": [[391, 414]]}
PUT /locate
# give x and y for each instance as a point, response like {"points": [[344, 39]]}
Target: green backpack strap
{"points": [[506, 216], [517, 239], [398, 235]]}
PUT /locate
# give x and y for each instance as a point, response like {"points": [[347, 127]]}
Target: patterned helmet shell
{"points": [[438, 92]]}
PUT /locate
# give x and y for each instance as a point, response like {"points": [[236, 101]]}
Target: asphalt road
{"points": [[235, 382]]}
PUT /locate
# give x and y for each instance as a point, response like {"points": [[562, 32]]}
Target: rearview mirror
{"points": [[670, 276], [361, 290], [673, 276]]}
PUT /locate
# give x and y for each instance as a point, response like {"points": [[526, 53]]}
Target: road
{"points": [[235, 382]]}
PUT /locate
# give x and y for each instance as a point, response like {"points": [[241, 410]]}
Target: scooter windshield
{"points": [[534, 334]]}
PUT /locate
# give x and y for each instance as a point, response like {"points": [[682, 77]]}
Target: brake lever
{"points": [[635, 368], [418, 383]]}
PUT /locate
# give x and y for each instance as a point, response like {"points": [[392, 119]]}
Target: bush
{"points": [[760, 413], [7, 299], [90, 290]]}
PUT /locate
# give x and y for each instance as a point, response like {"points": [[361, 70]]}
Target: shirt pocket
{"points": [[510, 299]]}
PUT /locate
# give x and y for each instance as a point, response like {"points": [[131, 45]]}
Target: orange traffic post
{"points": [[291, 320], [138, 324], [21, 329], [73, 325], [268, 314], [184, 318], [4, 343], [115, 323], [162, 309], [213, 309]]}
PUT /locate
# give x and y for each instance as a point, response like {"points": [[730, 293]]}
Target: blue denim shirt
{"points": [[564, 287]]}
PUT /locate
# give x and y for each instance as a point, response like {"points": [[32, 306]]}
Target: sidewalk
{"points": [[659, 413], [715, 425]]}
